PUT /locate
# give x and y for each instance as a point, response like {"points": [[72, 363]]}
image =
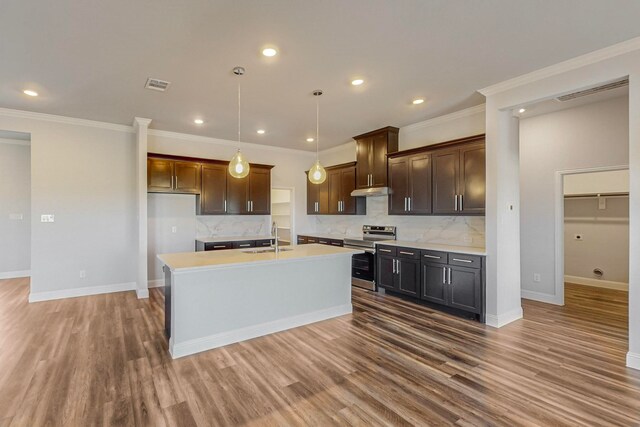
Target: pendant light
{"points": [[238, 166], [317, 174]]}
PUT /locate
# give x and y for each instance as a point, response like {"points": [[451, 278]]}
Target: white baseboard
{"points": [[197, 345], [633, 360], [15, 274], [142, 293], [157, 283], [80, 292], [500, 320], [542, 297], [620, 286]]}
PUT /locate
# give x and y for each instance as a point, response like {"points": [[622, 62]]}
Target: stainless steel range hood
{"points": [[371, 192]]}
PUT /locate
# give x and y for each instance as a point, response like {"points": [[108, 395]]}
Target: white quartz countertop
{"points": [[326, 236], [467, 250], [218, 239], [188, 261]]}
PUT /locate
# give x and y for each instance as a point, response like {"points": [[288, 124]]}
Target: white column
{"points": [[502, 217], [633, 356], [141, 126]]}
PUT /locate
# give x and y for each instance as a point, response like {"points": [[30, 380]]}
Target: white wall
{"points": [[592, 135], [166, 211], [15, 207], [85, 176], [616, 181]]}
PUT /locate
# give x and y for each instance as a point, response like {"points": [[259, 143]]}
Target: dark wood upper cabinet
{"points": [[446, 172], [317, 198], [333, 196], [237, 195], [472, 184], [371, 156], [410, 185], [171, 176], [213, 199], [335, 191], [259, 190], [350, 205]]}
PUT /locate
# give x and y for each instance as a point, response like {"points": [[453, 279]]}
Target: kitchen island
{"points": [[218, 298]]}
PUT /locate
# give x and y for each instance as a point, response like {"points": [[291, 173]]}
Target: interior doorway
{"points": [[15, 204], [282, 213]]}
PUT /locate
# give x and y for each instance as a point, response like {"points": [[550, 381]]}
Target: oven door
{"points": [[363, 270]]}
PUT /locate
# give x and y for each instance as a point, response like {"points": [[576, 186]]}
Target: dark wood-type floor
{"points": [[103, 360]]}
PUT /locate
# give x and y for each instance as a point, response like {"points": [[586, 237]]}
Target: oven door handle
{"points": [[368, 250]]}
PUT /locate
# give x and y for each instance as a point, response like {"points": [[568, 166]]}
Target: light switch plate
{"points": [[174, 229], [47, 218], [16, 216]]}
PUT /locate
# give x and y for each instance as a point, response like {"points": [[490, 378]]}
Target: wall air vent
{"points": [[156, 84], [593, 90]]}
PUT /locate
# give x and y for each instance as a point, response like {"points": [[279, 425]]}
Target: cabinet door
{"points": [[364, 151], [420, 184], [347, 185], [333, 180], [323, 197], [313, 198], [465, 289], [472, 179], [237, 195], [244, 244], [214, 189], [398, 185], [408, 276], [445, 181], [260, 190], [379, 160], [386, 278], [187, 177], [159, 176], [434, 283]]}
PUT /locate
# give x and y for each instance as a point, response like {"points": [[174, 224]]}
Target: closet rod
{"points": [[595, 195]]}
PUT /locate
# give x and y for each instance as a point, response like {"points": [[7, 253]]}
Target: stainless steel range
{"points": [[363, 266]]}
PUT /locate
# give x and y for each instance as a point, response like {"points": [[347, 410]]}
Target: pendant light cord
{"points": [[317, 128], [239, 111]]}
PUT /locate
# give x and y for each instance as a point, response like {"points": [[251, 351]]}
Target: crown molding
{"points": [[564, 66], [224, 142], [14, 141], [467, 112], [21, 114], [141, 122]]}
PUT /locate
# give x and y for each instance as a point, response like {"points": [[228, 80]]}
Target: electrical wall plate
{"points": [[47, 218]]}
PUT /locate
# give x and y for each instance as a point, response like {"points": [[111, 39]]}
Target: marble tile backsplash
{"points": [[452, 230], [232, 225]]}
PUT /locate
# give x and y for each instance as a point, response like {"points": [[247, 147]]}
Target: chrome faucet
{"points": [[274, 232]]}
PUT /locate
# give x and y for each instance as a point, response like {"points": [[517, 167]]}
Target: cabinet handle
{"points": [[444, 275], [323, 242], [176, 182], [405, 204], [384, 250], [225, 205], [463, 260], [219, 246], [409, 199], [406, 253], [461, 202], [246, 245], [431, 256], [455, 198], [449, 276], [172, 182], [398, 266], [393, 266]]}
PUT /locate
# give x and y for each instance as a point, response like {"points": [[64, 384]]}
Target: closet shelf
{"points": [[595, 195]]}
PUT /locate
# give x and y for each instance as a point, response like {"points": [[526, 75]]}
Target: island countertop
{"points": [[190, 261]]}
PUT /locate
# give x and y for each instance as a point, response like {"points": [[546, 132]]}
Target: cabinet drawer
{"points": [[312, 239], [471, 261], [434, 256], [386, 250], [217, 246], [260, 243], [334, 242], [244, 244], [409, 253], [324, 241], [302, 240]]}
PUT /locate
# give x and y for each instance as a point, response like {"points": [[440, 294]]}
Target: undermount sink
{"points": [[266, 250]]}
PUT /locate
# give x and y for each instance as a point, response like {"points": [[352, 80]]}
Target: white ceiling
{"points": [[91, 58]]}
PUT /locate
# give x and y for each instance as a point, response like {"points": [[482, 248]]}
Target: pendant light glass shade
{"points": [[238, 166], [317, 174]]}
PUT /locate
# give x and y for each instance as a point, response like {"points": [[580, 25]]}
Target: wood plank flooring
{"points": [[102, 360]]}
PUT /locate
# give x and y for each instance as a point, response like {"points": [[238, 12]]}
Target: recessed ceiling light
{"points": [[418, 101], [260, 131], [310, 139], [357, 82], [522, 110], [30, 92], [198, 121], [269, 51]]}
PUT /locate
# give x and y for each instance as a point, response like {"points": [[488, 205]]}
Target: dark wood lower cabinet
{"points": [[437, 278]]}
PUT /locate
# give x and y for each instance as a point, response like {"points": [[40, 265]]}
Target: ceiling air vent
{"points": [[593, 90], [156, 84]]}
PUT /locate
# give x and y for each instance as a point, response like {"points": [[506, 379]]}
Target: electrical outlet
{"points": [[536, 277], [174, 229], [578, 237], [83, 274], [47, 218]]}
